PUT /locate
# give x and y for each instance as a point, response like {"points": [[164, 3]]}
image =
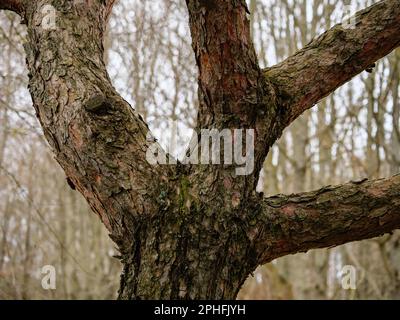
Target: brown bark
{"points": [[233, 92], [198, 231], [95, 135], [327, 217], [335, 57], [12, 5]]}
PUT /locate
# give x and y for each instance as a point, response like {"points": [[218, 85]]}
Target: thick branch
{"points": [[109, 4], [335, 57], [12, 5], [227, 62], [327, 217], [98, 139], [233, 92]]}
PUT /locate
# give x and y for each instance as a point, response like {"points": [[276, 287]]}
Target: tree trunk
{"points": [[196, 232], [188, 255]]}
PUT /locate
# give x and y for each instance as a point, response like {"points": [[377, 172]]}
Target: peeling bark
{"points": [[328, 217], [97, 138], [196, 232], [334, 58]]}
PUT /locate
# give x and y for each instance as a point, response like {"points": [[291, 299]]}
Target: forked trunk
{"points": [[196, 232]]}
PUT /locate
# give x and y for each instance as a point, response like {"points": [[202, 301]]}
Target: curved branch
{"points": [[327, 217], [335, 57], [97, 138], [13, 5]]}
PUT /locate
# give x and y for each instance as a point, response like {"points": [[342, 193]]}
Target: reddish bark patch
{"points": [[205, 69], [227, 183], [281, 245], [236, 199], [98, 179], [369, 46], [289, 210], [376, 192], [75, 135]]}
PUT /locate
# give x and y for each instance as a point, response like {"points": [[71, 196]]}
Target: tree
{"points": [[195, 231]]}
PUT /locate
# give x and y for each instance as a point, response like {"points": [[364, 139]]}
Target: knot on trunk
{"points": [[98, 104]]}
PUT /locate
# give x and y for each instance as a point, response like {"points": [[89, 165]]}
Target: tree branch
{"points": [[324, 218], [13, 5], [109, 6], [335, 57], [233, 92], [96, 137], [225, 55]]}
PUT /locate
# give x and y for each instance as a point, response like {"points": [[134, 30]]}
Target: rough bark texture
{"points": [[327, 217], [95, 135], [198, 231], [335, 57]]}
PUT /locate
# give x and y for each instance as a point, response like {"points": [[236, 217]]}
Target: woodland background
{"points": [[351, 135]]}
